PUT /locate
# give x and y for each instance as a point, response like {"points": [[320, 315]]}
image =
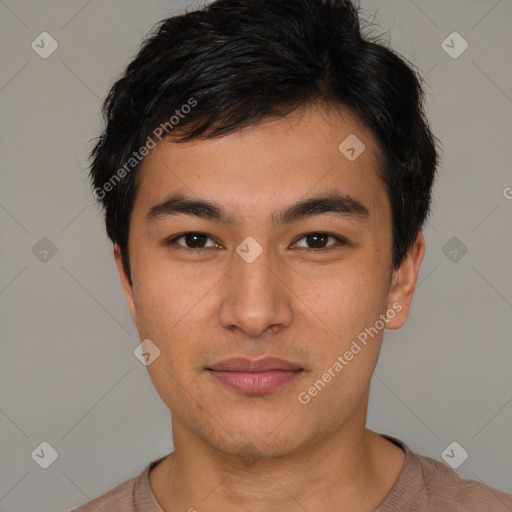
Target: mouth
{"points": [[255, 377]]}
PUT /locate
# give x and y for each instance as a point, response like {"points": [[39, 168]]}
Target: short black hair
{"points": [[232, 63]]}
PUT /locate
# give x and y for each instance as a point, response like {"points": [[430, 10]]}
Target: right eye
{"points": [[192, 238]]}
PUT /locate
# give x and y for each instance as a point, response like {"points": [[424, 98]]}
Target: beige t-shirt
{"points": [[424, 484]]}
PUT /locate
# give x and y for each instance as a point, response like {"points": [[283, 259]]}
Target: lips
{"points": [[241, 364], [255, 377]]}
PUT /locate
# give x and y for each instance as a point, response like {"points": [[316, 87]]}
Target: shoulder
{"points": [[119, 499], [133, 495], [448, 490], [436, 486]]}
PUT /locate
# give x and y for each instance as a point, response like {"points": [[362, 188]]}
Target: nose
{"points": [[256, 297]]}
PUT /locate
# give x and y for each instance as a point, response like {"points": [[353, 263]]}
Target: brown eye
{"points": [[193, 241], [318, 241]]}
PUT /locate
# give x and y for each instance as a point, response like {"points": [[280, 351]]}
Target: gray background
{"points": [[68, 375]]}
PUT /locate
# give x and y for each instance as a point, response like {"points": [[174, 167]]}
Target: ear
{"points": [[403, 284], [125, 282]]}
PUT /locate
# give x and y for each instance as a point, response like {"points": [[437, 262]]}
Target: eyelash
{"points": [[198, 250]]}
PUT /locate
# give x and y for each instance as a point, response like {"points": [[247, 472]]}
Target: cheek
{"points": [[164, 297], [174, 386], [333, 395], [344, 300], [174, 373], [347, 311]]}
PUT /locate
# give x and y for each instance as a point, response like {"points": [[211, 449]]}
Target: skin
{"points": [[268, 452]]}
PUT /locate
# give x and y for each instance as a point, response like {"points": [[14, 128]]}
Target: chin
{"points": [[250, 442]]}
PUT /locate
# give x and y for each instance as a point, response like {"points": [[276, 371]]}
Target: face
{"points": [[255, 278]]}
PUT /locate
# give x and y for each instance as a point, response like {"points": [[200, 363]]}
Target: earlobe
{"points": [[403, 283], [125, 283]]}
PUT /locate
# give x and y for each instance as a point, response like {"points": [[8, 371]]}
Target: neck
{"points": [[351, 469]]}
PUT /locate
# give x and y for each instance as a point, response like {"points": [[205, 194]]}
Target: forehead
{"points": [[274, 162]]}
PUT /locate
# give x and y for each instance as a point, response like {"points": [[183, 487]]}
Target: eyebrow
{"points": [[328, 202]]}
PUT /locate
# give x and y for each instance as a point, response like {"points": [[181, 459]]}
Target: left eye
{"points": [[319, 239]]}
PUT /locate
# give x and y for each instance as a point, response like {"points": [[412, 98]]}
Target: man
{"points": [[266, 173]]}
